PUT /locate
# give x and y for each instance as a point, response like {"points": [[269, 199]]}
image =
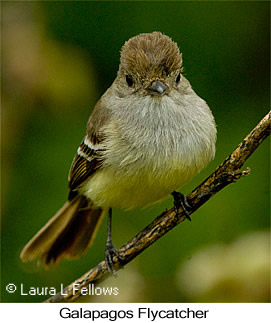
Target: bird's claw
{"points": [[110, 252], [180, 200]]}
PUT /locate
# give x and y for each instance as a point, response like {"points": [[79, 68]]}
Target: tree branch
{"points": [[228, 172]]}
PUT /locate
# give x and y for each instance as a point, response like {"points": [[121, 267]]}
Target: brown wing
{"points": [[89, 155], [86, 161]]}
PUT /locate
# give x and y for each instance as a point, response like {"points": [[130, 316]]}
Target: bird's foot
{"points": [[110, 252], [180, 200]]}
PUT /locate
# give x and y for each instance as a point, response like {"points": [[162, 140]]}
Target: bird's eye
{"points": [[178, 78], [129, 80]]}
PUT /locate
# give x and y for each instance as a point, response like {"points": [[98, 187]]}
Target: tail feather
{"points": [[68, 234]]}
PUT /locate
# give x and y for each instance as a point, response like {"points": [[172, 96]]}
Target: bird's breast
{"points": [[150, 154]]}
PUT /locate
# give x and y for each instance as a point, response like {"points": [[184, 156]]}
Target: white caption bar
{"points": [[135, 312]]}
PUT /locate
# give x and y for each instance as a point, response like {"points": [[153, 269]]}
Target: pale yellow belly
{"points": [[107, 188]]}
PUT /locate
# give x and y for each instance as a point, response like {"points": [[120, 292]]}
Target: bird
{"points": [[146, 137]]}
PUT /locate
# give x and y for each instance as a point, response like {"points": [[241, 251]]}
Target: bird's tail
{"points": [[68, 234]]}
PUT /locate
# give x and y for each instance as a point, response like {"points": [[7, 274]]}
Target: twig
{"points": [[228, 172]]}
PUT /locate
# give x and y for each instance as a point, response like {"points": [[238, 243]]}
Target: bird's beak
{"points": [[157, 88]]}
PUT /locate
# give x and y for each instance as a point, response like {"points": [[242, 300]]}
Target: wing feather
{"points": [[86, 161], [89, 155]]}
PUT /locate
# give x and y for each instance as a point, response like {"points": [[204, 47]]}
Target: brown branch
{"points": [[228, 172]]}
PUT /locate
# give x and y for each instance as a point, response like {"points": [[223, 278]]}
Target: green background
{"points": [[57, 60]]}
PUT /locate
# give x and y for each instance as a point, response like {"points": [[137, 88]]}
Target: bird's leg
{"points": [[181, 201], [110, 250]]}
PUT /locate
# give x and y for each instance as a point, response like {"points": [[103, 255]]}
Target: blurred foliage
{"points": [[57, 59], [239, 270]]}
